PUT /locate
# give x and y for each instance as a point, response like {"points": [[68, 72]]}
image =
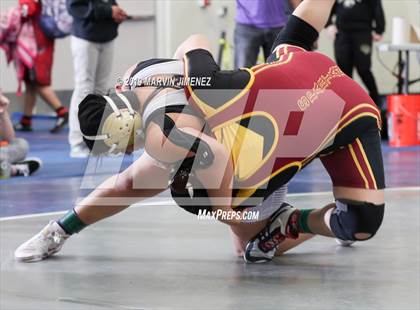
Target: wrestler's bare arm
{"points": [[315, 12], [195, 41], [295, 3]]}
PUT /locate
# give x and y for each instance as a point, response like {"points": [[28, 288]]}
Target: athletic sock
{"points": [[303, 221], [71, 223], [26, 120], [61, 111]]}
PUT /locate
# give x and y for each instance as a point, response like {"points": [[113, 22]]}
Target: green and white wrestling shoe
{"points": [[263, 246], [44, 244]]}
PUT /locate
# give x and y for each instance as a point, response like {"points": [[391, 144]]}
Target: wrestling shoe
{"points": [[44, 244], [27, 167], [22, 127], [60, 122], [344, 243], [282, 225], [79, 151]]}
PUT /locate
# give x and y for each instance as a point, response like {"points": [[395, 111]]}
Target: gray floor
{"points": [[159, 257]]}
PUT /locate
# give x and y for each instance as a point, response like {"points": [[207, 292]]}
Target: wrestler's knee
{"points": [[355, 220]]}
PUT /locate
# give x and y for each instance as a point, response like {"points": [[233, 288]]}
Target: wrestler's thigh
{"points": [[145, 173], [375, 196]]}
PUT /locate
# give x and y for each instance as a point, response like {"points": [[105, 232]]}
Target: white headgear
{"points": [[120, 128]]}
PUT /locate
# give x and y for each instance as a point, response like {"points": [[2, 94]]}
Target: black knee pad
{"points": [[352, 217]]}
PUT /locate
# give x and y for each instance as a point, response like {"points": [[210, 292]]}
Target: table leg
{"points": [[400, 72], [407, 73]]}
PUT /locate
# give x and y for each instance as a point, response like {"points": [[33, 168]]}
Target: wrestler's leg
{"points": [[130, 186], [357, 174], [319, 220], [49, 95], [356, 216], [29, 99], [244, 232], [25, 123]]}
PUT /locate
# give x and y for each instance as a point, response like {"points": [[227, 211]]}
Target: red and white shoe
{"points": [[263, 246]]}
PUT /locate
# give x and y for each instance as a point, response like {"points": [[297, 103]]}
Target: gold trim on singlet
{"points": [[333, 133], [209, 110], [275, 140], [244, 194], [279, 62], [362, 151], [359, 168], [285, 47]]}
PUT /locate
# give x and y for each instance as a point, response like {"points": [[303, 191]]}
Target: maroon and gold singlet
{"points": [[277, 117]]}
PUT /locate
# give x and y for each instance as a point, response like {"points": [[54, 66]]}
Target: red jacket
{"points": [[31, 10]]}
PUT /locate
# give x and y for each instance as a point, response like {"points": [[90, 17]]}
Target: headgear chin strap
{"points": [[121, 127]]}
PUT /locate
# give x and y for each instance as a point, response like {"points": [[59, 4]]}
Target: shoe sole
{"points": [[344, 243], [23, 130], [33, 259], [249, 259], [58, 128], [79, 155]]}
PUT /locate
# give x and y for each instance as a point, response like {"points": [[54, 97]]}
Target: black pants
{"points": [[354, 49], [249, 40]]}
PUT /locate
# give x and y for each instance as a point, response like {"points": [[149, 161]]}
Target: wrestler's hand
{"points": [[377, 37], [332, 31], [118, 14]]}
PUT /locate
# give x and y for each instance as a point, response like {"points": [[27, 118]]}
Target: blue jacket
{"points": [[92, 19]]}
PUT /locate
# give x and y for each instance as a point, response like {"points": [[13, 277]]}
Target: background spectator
{"points": [[257, 25], [354, 25], [13, 150], [95, 26], [38, 78]]}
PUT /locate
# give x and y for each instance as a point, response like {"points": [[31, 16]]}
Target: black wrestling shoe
{"points": [[60, 122], [27, 167], [22, 127], [262, 248]]}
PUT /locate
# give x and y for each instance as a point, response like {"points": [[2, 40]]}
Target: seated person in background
{"points": [[13, 150]]}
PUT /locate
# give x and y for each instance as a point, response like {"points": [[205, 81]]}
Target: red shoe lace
{"points": [[292, 228], [271, 241]]}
